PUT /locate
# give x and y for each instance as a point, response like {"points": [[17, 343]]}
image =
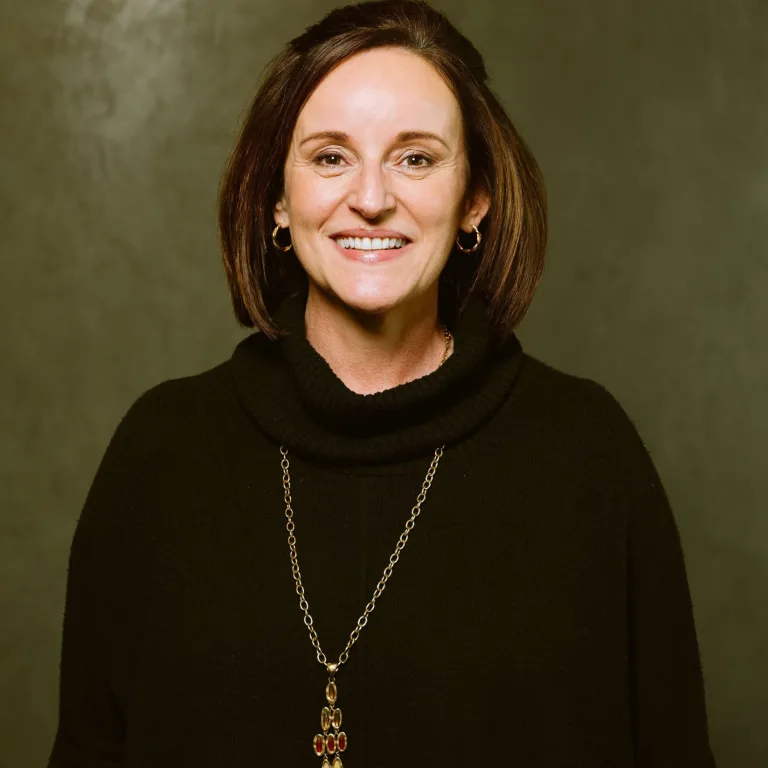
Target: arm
{"points": [[91, 729], [665, 677]]}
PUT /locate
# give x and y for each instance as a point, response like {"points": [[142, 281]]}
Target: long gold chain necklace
{"points": [[332, 741]]}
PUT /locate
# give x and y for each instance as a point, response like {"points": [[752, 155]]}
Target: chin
{"points": [[374, 300]]}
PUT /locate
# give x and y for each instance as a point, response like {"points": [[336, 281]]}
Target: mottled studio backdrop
{"points": [[650, 120]]}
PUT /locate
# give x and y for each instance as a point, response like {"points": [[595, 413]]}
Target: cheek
{"points": [[434, 202], [313, 198]]}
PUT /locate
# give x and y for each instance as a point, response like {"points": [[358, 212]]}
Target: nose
{"points": [[369, 194]]}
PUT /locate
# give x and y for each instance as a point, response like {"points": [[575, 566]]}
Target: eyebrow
{"points": [[401, 137]]}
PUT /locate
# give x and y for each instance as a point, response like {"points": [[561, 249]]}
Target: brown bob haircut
{"points": [[505, 271]]}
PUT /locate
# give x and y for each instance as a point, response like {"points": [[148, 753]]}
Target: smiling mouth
{"points": [[371, 243]]}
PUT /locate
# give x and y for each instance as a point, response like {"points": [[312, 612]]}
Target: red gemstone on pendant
{"points": [[331, 743], [319, 745], [342, 742]]}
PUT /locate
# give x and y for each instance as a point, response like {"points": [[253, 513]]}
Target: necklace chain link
{"points": [[393, 559]]}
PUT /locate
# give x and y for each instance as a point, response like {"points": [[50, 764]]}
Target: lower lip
{"points": [[372, 257]]}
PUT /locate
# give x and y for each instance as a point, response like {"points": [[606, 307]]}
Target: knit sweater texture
{"points": [[539, 614]]}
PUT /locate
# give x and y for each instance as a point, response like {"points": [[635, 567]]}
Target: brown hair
{"points": [[508, 266]]}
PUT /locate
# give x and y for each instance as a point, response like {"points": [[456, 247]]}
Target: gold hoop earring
{"points": [[276, 244], [475, 246]]}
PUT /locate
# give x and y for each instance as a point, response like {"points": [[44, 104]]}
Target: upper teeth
{"points": [[370, 243]]}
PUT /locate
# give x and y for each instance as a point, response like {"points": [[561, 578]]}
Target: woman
{"points": [[383, 229]]}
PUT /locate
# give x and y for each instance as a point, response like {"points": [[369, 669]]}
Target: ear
{"points": [[475, 208], [281, 213]]}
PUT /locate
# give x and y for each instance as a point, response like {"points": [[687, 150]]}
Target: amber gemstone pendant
{"points": [[330, 745]]}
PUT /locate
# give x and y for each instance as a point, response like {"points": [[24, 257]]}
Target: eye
{"points": [[328, 155], [418, 156]]}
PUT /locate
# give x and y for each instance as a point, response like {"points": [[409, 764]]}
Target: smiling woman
{"points": [[383, 231], [380, 118], [369, 170], [387, 130]]}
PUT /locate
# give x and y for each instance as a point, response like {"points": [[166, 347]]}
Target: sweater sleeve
{"points": [[90, 732], [665, 676]]}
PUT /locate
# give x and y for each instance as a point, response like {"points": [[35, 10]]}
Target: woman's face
{"points": [[378, 149]]}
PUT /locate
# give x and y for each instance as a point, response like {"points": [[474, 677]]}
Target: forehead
{"points": [[380, 91]]}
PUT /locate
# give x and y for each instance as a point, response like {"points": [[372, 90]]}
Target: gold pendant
{"points": [[330, 745]]}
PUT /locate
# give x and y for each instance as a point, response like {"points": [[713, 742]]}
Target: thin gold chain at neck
{"points": [[448, 340]]}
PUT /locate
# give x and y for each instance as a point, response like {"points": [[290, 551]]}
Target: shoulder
{"points": [[179, 397], [582, 418], [171, 411], [580, 434], [154, 436], [577, 399]]}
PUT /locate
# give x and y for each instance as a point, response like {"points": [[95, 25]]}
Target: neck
{"points": [[372, 352]]}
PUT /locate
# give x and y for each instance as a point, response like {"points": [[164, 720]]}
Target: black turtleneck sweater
{"points": [[539, 614]]}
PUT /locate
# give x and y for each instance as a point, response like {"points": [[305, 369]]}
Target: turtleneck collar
{"points": [[292, 394]]}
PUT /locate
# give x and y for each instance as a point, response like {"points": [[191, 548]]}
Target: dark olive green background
{"points": [[650, 122]]}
